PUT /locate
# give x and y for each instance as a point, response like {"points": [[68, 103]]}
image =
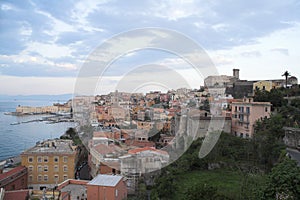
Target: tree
{"points": [[275, 96], [71, 132], [284, 181], [205, 106], [204, 191], [286, 75]]}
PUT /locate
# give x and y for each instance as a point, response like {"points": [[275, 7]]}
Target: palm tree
{"points": [[286, 74]]}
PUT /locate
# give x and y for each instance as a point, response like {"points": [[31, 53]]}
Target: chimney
{"points": [[236, 73]]}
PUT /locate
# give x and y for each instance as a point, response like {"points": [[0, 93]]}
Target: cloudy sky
{"points": [[44, 44]]}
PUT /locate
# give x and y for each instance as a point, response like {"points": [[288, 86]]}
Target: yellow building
{"points": [[263, 86], [50, 163]]}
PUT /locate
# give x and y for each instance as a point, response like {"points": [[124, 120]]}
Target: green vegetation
{"points": [[238, 168], [230, 171], [283, 182], [73, 135]]}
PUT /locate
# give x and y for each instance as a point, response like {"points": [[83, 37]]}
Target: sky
{"points": [[45, 44]]}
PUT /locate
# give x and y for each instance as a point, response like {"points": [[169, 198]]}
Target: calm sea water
{"points": [[16, 138]]}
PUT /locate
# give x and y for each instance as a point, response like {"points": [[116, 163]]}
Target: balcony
{"points": [[242, 112]]}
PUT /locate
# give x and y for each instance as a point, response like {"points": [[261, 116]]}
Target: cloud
{"points": [[250, 54], [7, 7], [81, 12], [25, 85], [281, 50], [48, 50], [56, 26], [220, 60], [55, 37], [36, 65], [176, 10]]}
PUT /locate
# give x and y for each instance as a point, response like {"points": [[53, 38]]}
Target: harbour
{"points": [[19, 132]]}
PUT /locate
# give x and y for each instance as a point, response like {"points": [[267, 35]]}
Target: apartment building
{"points": [[244, 115], [49, 163]]}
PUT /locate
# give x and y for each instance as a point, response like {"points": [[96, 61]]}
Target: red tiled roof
{"points": [[102, 134], [16, 194], [137, 150], [106, 149], [140, 143], [112, 164], [11, 172]]}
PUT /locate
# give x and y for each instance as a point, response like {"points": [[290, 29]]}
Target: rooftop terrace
{"points": [[53, 146]]}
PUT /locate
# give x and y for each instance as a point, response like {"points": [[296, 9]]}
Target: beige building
{"points": [[58, 109], [50, 163], [264, 86], [245, 114], [142, 125]]}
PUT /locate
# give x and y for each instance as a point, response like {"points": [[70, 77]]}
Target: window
{"points": [[116, 193], [45, 177], [264, 88], [56, 168], [65, 168], [247, 125], [40, 169], [65, 177], [242, 135], [30, 168], [45, 158], [247, 135], [30, 159], [65, 159], [55, 159], [248, 110], [45, 168], [30, 178], [39, 178], [56, 177], [266, 109], [39, 159]]}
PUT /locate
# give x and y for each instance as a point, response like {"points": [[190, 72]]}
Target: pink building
{"points": [[244, 115], [107, 187]]}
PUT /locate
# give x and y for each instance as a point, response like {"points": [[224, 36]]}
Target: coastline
{"points": [[7, 166]]}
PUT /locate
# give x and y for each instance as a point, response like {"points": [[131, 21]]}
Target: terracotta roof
{"points": [[11, 172], [137, 150], [104, 149], [103, 134], [112, 164], [16, 194]]}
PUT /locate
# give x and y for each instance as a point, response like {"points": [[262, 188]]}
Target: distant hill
{"points": [[60, 97]]}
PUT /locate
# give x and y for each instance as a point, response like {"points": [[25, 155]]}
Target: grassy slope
{"points": [[228, 183]]}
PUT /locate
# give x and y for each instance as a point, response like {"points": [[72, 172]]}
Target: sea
{"points": [[16, 136]]}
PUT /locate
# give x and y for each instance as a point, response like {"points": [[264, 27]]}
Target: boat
{"points": [[15, 123]]}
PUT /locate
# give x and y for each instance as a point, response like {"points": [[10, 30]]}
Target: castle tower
{"points": [[236, 73]]}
